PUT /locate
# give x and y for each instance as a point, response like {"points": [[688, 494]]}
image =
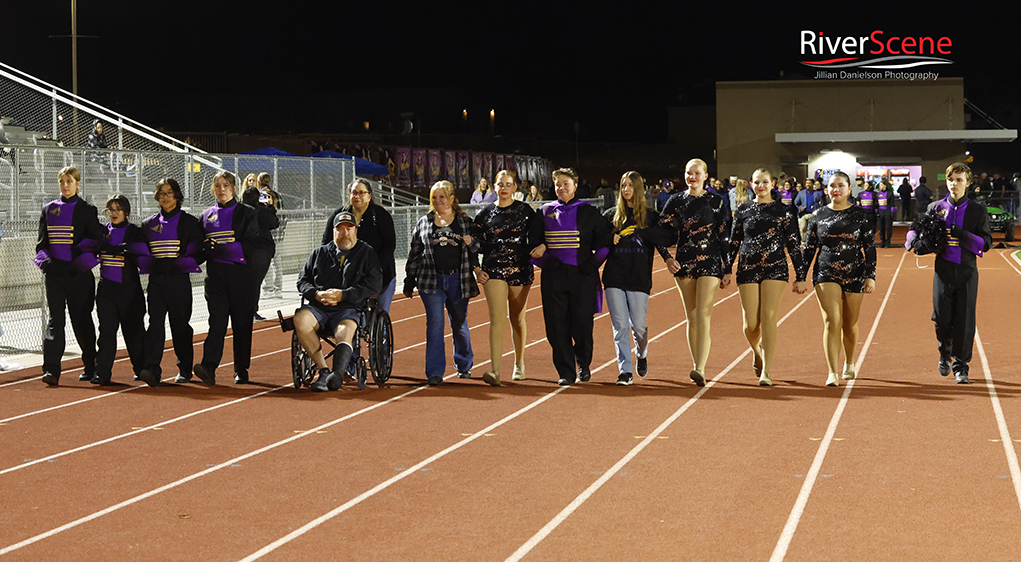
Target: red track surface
{"points": [[909, 467]]}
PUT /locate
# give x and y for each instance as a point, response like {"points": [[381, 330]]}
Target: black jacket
{"points": [[376, 230], [355, 272]]}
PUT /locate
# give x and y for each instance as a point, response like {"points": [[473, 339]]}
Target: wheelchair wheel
{"points": [[381, 342], [361, 371], [298, 361]]}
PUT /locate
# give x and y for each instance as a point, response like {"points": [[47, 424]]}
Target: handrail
{"points": [[103, 113]]}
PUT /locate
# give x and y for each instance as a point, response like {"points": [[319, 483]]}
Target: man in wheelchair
{"points": [[337, 280]]}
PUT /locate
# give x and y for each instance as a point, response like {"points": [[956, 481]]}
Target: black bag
{"points": [[932, 235]]}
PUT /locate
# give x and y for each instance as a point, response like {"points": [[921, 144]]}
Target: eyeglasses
{"points": [[360, 193], [162, 194]]}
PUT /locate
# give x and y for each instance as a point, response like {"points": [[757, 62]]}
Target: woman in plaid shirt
{"points": [[440, 263]]}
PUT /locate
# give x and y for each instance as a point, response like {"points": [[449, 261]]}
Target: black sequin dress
{"points": [[845, 241], [699, 227], [761, 230], [503, 233]]}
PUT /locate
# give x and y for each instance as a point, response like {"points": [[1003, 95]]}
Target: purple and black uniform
{"points": [[577, 241], [175, 250], [229, 292], [761, 231], [846, 244], [69, 234], [884, 215], [955, 283], [119, 298]]}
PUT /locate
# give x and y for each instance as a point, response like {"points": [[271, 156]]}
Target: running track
{"points": [[902, 464]]}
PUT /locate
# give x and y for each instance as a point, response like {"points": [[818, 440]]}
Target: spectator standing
{"points": [[664, 195], [905, 191], [274, 287], [923, 196], [483, 193], [263, 248]]}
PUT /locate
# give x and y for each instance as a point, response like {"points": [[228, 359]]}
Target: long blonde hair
{"points": [[637, 201], [742, 191]]}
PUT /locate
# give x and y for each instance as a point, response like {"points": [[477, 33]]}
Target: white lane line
{"points": [[108, 394], [1013, 256], [186, 479], [126, 358], [813, 473], [534, 541], [408, 472], [1001, 421]]}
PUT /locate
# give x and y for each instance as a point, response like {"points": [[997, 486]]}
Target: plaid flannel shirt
{"points": [[421, 265]]}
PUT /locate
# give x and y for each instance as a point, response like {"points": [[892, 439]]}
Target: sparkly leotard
{"points": [[847, 251], [700, 229], [761, 230], [503, 234]]}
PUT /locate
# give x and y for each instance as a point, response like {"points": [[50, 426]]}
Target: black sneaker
{"points": [[241, 377], [625, 379], [51, 379], [584, 374], [101, 381], [205, 374], [944, 366], [565, 382], [85, 377], [258, 317], [181, 378], [643, 367], [149, 377], [961, 372], [321, 383], [435, 381], [464, 374]]}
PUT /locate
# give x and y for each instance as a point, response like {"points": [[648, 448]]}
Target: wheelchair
{"points": [[372, 345]]}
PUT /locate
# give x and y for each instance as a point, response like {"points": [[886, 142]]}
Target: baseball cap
{"points": [[342, 217]]}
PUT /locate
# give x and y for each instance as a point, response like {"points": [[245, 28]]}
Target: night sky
{"points": [[277, 68]]}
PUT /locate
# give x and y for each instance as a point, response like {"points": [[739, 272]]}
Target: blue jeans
{"points": [[386, 296], [448, 294], [628, 310]]}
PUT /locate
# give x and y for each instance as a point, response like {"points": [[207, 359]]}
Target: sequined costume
{"points": [[845, 241], [699, 227], [761, 230], [503, 233]]}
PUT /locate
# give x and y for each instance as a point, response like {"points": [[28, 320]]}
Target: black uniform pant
{"points": [[77, 295], [259, 264], [953, 311], [169, 295], [884, 224], [120, 306], [229, 295], [568, 304], [905, 205]]}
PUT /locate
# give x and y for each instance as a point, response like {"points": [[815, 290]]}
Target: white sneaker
{"points": [[519, 374], [5, 366]]}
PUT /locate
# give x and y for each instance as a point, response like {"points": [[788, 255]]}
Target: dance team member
{"points": [[119, 299], [627, 276], [762, 229], [69, 235], [231, 238], [505, 241], [440, 263], [575, 242], [337, 280], [955, 282], [696, 220], [175, 250], [376, 228], [844, 237]]}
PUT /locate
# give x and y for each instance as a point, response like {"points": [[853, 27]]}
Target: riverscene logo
{"points": [[890, 54]]}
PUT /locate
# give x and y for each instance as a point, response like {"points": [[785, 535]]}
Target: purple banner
{"points": [[510, 163], [487, 166], [403, 167], [435, 166], [421, 167], [464, 170], [450, 167], [498, 164]]}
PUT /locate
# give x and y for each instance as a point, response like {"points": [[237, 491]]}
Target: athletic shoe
{"points": [[944, 366], [241, 377], [519, 374], [435, 381], [51, 379], [5, 366], [584, 374], [181, 378], [625, 379], [101, 381], [321, 383], [643, 366], [565, 382], [85, 377], [464, 374], [961, 372], [697, 378], [149, 377], [848, 372], [137, 378], [764, 379], [832, 380], [205, 374], [491, 378]]}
